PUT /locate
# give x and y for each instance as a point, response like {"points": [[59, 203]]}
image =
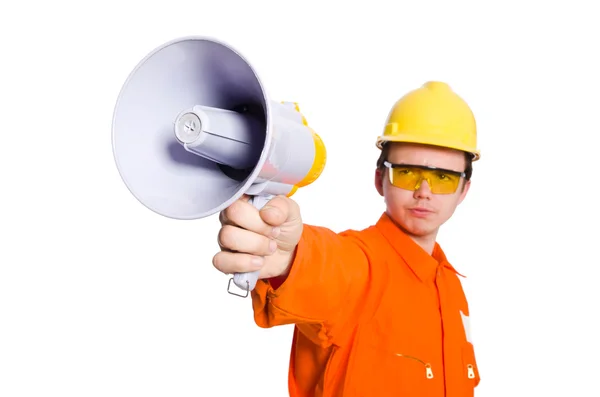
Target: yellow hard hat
{"points": [[433, 115]]}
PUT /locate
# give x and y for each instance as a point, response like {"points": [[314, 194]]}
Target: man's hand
{"points": [[252, 239]]}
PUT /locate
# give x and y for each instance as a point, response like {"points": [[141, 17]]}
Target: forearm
{"points": [[325, 280]]}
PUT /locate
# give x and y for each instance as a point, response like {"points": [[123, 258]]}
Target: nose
{"points": [[422, 190]]}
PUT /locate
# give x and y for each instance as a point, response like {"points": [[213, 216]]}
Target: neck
{"points": [[426, 242]]}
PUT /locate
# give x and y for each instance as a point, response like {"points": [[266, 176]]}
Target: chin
{"points": [[418, 227], [419, 230]]}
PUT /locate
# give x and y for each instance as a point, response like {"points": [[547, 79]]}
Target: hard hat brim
{"points": [[450, 144]]}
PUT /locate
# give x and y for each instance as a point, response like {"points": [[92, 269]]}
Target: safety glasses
{"points": [[410, 177]]}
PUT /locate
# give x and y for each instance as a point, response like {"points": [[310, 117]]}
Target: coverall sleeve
{"points": [[323, 289]]}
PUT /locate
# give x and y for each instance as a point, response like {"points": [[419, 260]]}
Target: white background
{"points": [[97, 296]]}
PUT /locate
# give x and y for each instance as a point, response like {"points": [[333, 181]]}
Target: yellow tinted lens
{"points": [[405, 177], [441, 182], [410, 178]]}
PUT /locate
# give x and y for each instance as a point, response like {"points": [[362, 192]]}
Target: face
{"points": [[420, 213]]}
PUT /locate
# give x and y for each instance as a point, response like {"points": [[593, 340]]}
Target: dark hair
{"points": [[386, 149]]}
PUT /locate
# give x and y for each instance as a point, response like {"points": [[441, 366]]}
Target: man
{"points": [[377, 312]]}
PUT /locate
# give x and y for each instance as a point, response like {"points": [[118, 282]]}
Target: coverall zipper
{"points": [[428, 370], [470, 371]]}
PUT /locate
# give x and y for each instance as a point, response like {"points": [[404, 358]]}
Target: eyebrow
{"points": [[423, 167]]}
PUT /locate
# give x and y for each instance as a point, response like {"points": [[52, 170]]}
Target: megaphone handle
{"points": [[247, 281]]}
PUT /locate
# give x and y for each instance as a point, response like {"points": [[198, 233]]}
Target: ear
{"points": [[464, 192], [379, 181]]}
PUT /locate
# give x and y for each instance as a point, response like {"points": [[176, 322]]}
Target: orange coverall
{"points": [[374, 316]]}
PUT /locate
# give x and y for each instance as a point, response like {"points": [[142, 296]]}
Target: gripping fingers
{"points": [[233, 238], [243, 214], [233, 262]]}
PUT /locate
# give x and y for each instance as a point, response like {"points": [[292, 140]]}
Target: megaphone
{"points": [[194, 130]]}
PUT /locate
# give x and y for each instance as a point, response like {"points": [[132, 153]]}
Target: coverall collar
{"points": [[423, 265]]}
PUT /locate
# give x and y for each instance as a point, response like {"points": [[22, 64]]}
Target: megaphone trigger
{"points": [[194, 130]]}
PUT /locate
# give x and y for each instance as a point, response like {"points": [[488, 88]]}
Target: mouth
{"points": [[420, 212]]}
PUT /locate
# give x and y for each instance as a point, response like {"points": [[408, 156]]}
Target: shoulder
{"points": [[370, 240], [369, 234]]}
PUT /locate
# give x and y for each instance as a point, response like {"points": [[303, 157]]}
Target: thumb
{"points": [[280, 210]]}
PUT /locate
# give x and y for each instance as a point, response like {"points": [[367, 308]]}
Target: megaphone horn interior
{"points": [[195, 87]]}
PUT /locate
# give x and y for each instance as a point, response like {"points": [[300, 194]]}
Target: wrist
{"points": [[277, 280], [287, 262]]}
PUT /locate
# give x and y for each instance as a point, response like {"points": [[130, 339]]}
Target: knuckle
{"points": [[222, 217], [226, 213], [233, 211], [216, 261], [227, 237], [291, 204]]}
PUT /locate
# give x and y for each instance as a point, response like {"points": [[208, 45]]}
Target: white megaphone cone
{"points": [[193, 131]]}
